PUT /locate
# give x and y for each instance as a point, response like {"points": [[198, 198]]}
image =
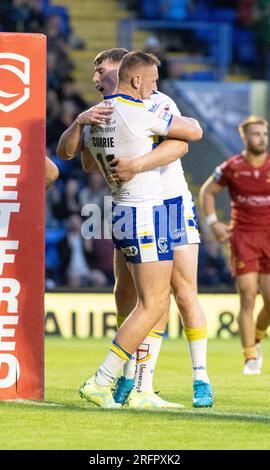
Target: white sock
{"points": [[198, 350], [111, 365], [129, 368], [147, 355]]}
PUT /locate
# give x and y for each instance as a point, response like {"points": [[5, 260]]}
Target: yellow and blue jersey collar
{"points": [[125, 99]]}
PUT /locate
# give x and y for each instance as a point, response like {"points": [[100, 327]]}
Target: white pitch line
{"points": [[208, 412], [200, 413], [33, 402], [211, 412]]}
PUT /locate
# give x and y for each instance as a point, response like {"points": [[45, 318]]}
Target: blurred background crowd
{"points": [[186, 54]]}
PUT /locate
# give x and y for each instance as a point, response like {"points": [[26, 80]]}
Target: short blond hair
{"points": [[251, 120], [136, 59]]}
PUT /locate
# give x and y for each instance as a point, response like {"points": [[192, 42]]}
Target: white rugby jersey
{"points": [[129, 134], [172, 176]]}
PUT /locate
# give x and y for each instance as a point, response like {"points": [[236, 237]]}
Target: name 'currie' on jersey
{"points": [[105, 142]]}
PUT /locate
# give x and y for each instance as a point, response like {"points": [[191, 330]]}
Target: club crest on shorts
{"points": [[240, 264], [162, 245]]}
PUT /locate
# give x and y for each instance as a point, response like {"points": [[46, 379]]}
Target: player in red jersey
{"points": [[247, 177]]}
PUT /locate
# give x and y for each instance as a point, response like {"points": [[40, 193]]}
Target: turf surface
{"points": [[240, 418]]}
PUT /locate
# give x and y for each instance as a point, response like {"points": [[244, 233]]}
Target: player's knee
{"points": [[185, 299], [157, 305], [248, 300]]}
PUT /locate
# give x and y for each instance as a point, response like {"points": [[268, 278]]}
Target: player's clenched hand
{"points": [[221, 231], [99, 114], [122, 169]]}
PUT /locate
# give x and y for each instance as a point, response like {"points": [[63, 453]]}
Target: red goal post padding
{"points": [[22, 206]]}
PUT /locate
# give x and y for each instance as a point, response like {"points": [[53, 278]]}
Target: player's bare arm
{"points": [[51, 172], [184, 128], [208, 192], [167, 152], [70, 143]]}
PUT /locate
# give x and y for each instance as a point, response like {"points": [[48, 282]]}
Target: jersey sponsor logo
{"points": [[178, 234], [153, 108], [19, 66], [255, 173], [254, 200], [165, 116], [130, 250], [162, 245]]}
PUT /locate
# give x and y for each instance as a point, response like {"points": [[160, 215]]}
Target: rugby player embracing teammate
{"points": [[184, 278], [247, 176]]}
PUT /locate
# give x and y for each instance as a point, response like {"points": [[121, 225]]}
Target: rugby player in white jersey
{"points": [[184, 278]]}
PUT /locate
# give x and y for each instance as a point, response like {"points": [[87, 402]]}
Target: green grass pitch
{"points": [[240, 418]]}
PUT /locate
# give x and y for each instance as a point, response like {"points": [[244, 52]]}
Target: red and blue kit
{"points": [[249, 190]]}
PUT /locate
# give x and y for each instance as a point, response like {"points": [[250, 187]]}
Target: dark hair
{"points": [[136, 59], [114, 55]]}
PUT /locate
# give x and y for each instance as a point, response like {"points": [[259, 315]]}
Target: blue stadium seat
{"points": [[63, 13], [44, 4], [200, 75], [149, 9], [244, 45], [200, 13], [223, 15], [54, 235], [52, 238]]}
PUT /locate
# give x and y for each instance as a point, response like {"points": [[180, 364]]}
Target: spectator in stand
{"points": [[57, 42], [101, 257], [74, 250], [94, 191], [57, 126], [67, 202], [245, 12], [261, 19], [6, 23], [53, 78], [152, 45], [213, 269], [53, 105], [69, 91], [22, 15], [177, 10]]}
